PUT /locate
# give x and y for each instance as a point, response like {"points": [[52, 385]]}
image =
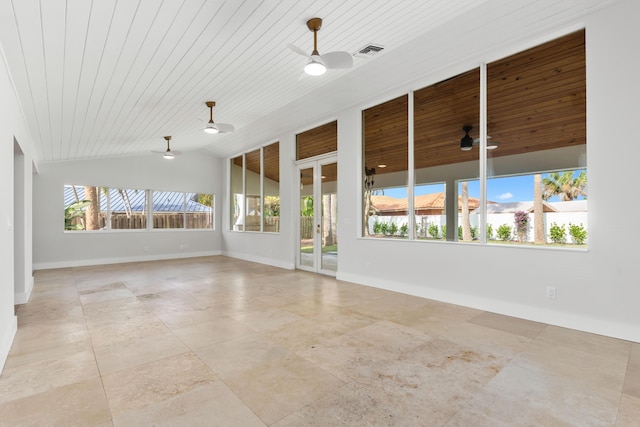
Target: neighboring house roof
{"points": [[163, 201], [387, 204], [512, 207], [570, 206]]}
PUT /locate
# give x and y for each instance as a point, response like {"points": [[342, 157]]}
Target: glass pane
{"points": [[252, 191], [85, 208], [199, 211], [168, 209], [306, 218], [536, 150], [386, 159], [236, 202], [317, 141], [446, 118], [330, 217], [430, 211], [271, 188], [128, 209]]}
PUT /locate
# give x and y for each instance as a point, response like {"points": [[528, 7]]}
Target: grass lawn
{"points": [[309, 249]]}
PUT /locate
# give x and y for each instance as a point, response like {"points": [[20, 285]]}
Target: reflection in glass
{"points": [[252, 191], [271, 188], [329, 217], [385, 174], [306, 218], [236, 202]]}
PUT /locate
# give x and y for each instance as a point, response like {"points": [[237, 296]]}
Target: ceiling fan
{"points": [[318, 64], [213, 128], [169, 153]]}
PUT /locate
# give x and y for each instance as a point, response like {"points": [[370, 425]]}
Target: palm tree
{"points": [[538, 223], [466, 226], [91, 213], [565, 185]]}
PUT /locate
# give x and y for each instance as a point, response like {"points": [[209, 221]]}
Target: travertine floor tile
{"points": [[632, 380], [240, 354], [629, 411], [278, 388], [136, 351], [509, 324], [143, 385], [79, 404], [37, 377], [221, 341], [207, 406], [212, 332]]}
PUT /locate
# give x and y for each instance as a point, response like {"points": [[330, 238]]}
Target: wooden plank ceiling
{"points": [[536, 101]]}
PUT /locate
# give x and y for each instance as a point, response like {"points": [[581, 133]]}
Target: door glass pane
{"points": [[330, 217], [306, 217], [236, 185]]}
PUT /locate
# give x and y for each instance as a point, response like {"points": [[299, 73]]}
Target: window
{"points": [[271, 188], [532, 186], [441, 112], [128, 209], [386, 162], [103, 208], [255, 190]]}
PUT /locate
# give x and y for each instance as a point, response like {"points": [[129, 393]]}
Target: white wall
{"points": [[597, 289], [12, 129], [54, 248]]}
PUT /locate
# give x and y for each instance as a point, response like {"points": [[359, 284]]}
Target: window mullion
{"points": [[410, 170], [483, 153]]}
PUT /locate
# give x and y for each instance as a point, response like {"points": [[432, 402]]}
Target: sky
{"points": [[501, 190]]}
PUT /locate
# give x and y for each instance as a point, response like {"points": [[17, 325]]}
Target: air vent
{"points": [[369, 50]]}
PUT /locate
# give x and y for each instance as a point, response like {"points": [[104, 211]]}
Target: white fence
{"points": [[562, 219]]}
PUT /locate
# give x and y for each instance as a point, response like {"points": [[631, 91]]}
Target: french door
{"points": [[317, 240]]}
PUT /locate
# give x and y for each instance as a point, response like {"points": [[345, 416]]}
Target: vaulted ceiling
{"points": [[109, 78]]}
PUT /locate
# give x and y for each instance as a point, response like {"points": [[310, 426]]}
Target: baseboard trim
{"points": [[104, 261], [6, 339], [260, 260], [522, 311], [23, 297]]}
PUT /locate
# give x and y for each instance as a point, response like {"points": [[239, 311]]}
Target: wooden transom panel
{"points": [[317, 141], [271, 161]]}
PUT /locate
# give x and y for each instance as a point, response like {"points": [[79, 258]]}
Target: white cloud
{"points": [[505, 196]]}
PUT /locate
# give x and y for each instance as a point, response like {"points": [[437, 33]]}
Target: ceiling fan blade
{"points": [[225, 127], [338, 59], [297, 50]]}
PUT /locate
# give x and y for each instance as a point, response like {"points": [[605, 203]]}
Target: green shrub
{"points": [[433, 230], [578, 233], [504, 232], [557, 233], [459, 232], [474, 233], [393, 229], [489, 231], [377, 227], [404, 230], [443, 228], [384, 228]]}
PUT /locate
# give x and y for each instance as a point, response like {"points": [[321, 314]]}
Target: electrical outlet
{"points": [[551, 292]]}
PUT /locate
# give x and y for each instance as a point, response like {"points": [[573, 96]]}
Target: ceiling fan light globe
{"points": [[211, 130], [315, 68], [168, 155], [464, 148]]}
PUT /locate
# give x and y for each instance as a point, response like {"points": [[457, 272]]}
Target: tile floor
{"points": [[217, 341]]}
